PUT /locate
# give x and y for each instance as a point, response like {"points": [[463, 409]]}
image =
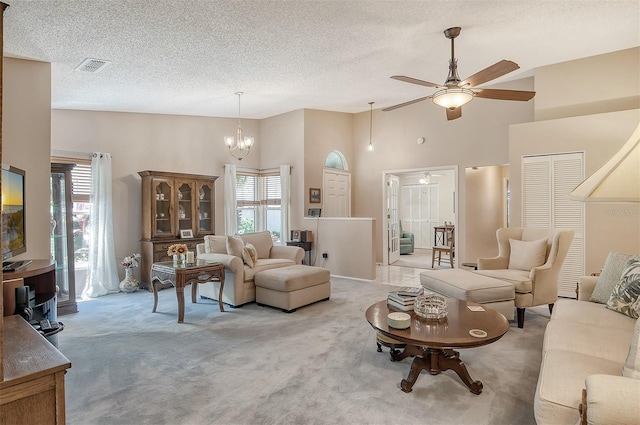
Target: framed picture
{"points": [[314, 196], [186, 234], [314, 212]]}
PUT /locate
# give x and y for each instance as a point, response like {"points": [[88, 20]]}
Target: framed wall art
{"points": [[314, 196]]}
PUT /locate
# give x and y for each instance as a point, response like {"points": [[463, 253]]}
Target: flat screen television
{"points": [[14, 240]]}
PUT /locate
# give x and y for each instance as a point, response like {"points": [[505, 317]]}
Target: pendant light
{"points": [[370, 147], [238, 145]]}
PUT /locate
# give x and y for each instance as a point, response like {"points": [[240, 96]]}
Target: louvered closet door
{"points": [[547, 181]]}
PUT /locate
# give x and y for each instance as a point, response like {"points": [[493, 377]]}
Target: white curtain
{"points": [[230, 219], [102, 273], [285, 196]]}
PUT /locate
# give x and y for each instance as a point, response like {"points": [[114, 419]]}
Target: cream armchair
{"points": [[531, 259]]}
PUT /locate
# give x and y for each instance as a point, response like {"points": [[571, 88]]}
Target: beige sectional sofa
{"points": [[239, 287], [586, 345]]}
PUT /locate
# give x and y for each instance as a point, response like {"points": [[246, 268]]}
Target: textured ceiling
{"points": [[190, 56]]}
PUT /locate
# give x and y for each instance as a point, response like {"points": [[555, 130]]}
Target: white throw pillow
{"points": [[609, 277], [215, 244], [249, 255], [525, 255], [235, 245], [631, 367]]}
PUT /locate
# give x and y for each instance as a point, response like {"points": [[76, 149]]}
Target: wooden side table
{"points": [[307, 246], [183, 275]]}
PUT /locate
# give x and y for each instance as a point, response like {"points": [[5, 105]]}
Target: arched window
{"points": [[336, 159]]}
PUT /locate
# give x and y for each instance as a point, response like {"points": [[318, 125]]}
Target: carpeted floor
{"points": [[257, 365]]}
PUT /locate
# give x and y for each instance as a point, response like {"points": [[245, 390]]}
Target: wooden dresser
{"points": [[32, 391]]}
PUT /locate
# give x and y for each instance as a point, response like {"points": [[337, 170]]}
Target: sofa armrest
{"points": [[199, 249], [586, 285], [494, 263], [610, 400], [231, 262], [293, 253]]}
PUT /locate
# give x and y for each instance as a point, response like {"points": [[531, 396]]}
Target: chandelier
{"points": [[238, 145]]}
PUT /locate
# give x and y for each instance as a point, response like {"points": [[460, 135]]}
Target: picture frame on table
{"points": [[186, 234], [314, 196]]}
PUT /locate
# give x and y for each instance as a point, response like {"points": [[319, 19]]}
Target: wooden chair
{"points": [[447, 248]]}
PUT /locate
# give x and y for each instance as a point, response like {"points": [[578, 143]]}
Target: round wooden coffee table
{"points": [[432, 341]]}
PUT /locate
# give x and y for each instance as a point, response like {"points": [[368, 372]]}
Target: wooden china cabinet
{"points": [[174, 205]]}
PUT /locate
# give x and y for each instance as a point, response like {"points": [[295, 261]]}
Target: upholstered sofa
{"points": [[239, 287], [588, 346]]}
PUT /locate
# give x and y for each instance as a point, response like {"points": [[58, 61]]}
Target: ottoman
{"points": [[293, 286], [463, 285]]}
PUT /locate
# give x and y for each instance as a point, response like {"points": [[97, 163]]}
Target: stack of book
{"points": [[404, 298]]}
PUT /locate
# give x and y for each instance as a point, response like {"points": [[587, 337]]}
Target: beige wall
{"points": [[593, 85], [282, 140], [609, 227], [480, 137], [484, 201], [589, 105], [26, 125], [150, 142], [324, 131]]}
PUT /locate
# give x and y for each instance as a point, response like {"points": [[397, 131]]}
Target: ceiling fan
{"points": [[454, 93]]}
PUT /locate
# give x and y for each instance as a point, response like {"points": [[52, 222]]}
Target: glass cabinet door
{"points": [[185, 205], [62, 236], [163, 224], [205, 209]]}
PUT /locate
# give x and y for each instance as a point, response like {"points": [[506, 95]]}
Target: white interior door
{"points": [[336, 186], [393, 219]]}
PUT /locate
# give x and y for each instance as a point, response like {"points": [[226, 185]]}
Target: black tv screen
{"points": [[13, 228]]}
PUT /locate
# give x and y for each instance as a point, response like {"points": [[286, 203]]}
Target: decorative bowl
{"points": [[431, 306]]}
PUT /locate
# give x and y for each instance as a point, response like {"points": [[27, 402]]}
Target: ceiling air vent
{"points": [[92, 65]]}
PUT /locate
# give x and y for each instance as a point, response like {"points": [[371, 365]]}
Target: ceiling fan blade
{"points": [[391, 108], [504, 94], [453, 114], [416, 81], [490, 73]]}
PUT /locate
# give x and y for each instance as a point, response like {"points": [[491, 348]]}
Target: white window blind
{"points": [[546, 182], [271, 190], [81, 182], [246, 190], [258, 202]]}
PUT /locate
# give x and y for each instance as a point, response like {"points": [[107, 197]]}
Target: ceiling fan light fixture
{"points": [[425, 179], [452, 98]]}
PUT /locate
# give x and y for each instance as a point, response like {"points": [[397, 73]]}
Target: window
{"points": [[258, 203], [80, 196], [335, 159]]}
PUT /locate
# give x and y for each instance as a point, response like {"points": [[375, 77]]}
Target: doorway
{"points": [[425, 198]]}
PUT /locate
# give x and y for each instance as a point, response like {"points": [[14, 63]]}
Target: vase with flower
{"points": [[129, 283], [179, 253]]}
